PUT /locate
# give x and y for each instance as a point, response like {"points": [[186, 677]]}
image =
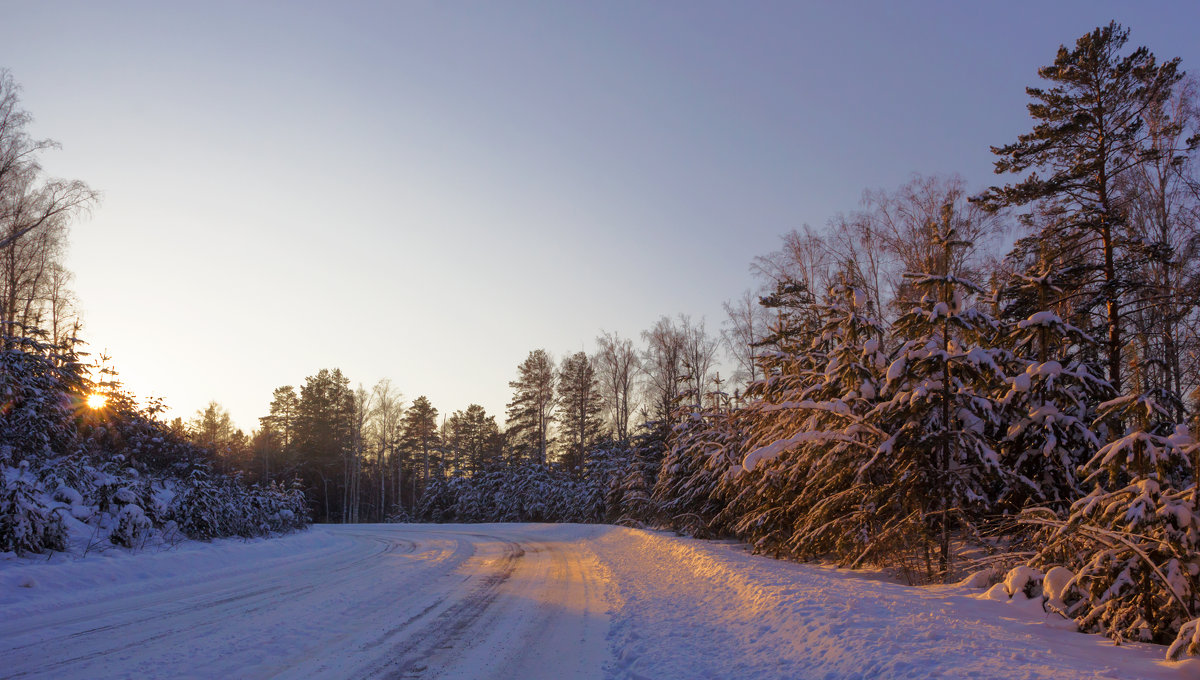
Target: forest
{"points": [[943, 381]]}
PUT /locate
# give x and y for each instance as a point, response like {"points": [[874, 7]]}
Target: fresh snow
{"points": [[522, 601]]}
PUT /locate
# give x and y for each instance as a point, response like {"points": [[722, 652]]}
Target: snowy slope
{"points": [[517, 601]]}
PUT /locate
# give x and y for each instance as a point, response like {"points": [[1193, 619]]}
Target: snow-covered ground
{"points": [[518, 601]]}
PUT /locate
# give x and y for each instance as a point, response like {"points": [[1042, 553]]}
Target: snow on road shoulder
{"points": [[693, 609]]}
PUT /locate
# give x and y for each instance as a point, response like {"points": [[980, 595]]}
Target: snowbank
{"points": [[694, 609]]}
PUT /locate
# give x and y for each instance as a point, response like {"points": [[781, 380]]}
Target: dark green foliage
{"points": [[211, 506], [531, 412], [324, 440], [579, 407]]}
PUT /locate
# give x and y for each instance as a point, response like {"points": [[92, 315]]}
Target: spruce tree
{"points": [[1134, 541], [1048, 400], [836, 509], [938, 460], [705, 448]]}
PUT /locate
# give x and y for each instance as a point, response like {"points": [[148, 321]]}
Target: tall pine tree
{"points": [[531, 411], [579, 410], [1089, 131]]}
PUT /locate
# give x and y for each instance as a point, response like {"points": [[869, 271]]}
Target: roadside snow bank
{"points": [[693, 609]]}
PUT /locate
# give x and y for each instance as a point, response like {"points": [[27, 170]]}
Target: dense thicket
{"points": [[113, 474]]}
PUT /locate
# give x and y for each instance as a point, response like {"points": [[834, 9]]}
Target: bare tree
{"points": [[804, 258], [745, 325], [618, 366], [900, 223], [383, 427], [699, 353], [662, 362], [34, 213], [1164, 220], [860, 257], [63, 318]]}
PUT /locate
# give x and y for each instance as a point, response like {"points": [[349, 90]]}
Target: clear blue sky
{"points": [[427, 191]]}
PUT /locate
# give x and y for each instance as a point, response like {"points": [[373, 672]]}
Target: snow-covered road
{"points": [[516, 601], [368, 601]]}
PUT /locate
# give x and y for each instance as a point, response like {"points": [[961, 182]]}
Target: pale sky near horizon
{"points": [[426, 191]]}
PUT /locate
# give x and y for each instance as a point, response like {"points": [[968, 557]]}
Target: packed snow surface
{"points": [[519, 601]]}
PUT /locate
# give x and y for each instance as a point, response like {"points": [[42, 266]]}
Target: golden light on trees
{"points": [[96, 401]]}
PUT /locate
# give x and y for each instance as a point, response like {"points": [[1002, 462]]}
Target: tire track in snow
{"points": [[414, 654]]}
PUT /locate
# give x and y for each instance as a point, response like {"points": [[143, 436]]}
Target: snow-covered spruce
{"points": [[614, 485], [1135, 550], [28, 523], [705, 451], [1046, 404], [827, 504], [937, 465]]}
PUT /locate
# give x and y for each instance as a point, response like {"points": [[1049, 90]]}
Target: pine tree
{"points": [[281, 423], [579, 409], [531, 411], [324, 420], [1089, 131], [473, 441], [421, 440]]}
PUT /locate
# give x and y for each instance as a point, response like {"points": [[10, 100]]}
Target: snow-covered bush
{"points": [[132, 526], [209, 505], [115, 473], [27, 524], [40, 386]]}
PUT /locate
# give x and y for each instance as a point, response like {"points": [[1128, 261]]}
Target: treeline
{"points": [[368, 455], [81, 465]]}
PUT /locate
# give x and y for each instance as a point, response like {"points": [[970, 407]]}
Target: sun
{"points": [[96, 401]]}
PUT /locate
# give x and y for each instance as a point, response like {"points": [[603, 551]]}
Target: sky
{"points": [[427, 191]]}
